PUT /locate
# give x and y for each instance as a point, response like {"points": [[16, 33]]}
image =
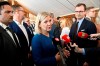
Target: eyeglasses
{"points": [[79, 11]]}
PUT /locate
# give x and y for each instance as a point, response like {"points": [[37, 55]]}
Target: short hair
{"points": [[58, 18], [88, 8], [81, 4], [52, 15], [15, 7], [2, 3], [40, 17]]}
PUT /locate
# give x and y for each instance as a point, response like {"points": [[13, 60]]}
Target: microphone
{"points": [[66, 38], [83, 35], [86, 36], [60, 52]]}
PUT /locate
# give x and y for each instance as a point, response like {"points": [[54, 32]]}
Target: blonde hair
{"points": [[68, 21], [40, 17], [98, 18]]}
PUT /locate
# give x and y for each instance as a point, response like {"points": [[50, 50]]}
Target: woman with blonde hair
{"points": [[65, 24], [44, 52]]}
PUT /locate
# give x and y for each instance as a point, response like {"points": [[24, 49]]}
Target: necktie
{"points": [[15, 39], [76, 28], [75, 32]]}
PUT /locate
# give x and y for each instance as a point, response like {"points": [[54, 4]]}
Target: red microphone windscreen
{"points": [[82, 35], [66, 38]]}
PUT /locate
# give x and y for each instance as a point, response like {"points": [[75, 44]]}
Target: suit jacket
{"points": [[89, 28], [94, 55], [9, 52], [25, 48]]}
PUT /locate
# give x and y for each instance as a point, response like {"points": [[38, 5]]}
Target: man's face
{"points": [[92, 13], [80, 12], [6, 16], [21, 13]]}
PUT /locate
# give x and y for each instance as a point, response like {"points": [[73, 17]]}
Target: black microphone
{"points": [[61, 52]]}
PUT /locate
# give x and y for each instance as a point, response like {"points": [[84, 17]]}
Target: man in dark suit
{"points": [[23, 33], [90, 52], [83, 26], [9, 48]]}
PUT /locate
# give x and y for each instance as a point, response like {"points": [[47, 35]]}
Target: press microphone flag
{"points": [[83, 35], [86, 36]]}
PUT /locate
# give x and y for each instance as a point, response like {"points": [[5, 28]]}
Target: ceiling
{"points": [[58, 7]]}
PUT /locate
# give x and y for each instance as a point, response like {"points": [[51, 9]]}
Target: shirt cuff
{"points": [[83, 51]]}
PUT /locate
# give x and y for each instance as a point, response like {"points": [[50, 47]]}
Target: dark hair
{"points": [[2, 3], [58, 18], [81, 4]]}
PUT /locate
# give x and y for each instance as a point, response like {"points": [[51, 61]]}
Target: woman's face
{"points": [[46, 24], [62, 23]]}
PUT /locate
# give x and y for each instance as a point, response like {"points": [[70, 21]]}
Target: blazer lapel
{"points": [[4, 32]]}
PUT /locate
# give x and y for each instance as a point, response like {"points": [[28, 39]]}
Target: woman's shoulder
{"points": [[36, 36]]}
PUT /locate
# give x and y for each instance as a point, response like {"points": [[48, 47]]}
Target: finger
{"points": [[69, 47]]}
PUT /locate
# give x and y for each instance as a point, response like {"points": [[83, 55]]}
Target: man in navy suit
{"points": [[23, 33], [9, 48], [86, 26]]}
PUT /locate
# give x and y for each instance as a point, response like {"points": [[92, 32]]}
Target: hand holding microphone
{"points": [[95, 35], [66, 40], [77, 49], [65, 52], [90, 37]]}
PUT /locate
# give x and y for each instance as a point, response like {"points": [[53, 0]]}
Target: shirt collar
{"points": [[18, 22], [80, 21], [3, 25]]}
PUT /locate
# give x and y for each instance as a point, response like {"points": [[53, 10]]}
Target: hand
{"points": [[94, 35], [77, 49], [85, 64], [66, 52], [57, 56]]}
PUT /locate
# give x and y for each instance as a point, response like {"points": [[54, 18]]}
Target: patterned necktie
{"points": [[15, 39]]}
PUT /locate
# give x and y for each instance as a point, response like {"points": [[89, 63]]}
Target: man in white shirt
{"points": [[23, 33]]}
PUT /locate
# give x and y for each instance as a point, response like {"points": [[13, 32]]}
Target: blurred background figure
{"points": [[24, 35], [97, 23], [30, 26], [65, 24], [90, 13]]}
